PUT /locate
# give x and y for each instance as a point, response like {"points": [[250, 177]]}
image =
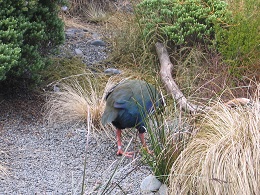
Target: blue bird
{"points": [[127, 106]]}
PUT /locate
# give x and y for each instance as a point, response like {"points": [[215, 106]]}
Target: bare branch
{"points": [[170, 85], [173, 89]]}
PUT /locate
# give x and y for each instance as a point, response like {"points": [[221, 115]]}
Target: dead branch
{"points": [[173, 89]]}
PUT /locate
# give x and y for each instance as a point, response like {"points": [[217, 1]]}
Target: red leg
{"points": [[119, 142], [119, 145], [141, 136]]}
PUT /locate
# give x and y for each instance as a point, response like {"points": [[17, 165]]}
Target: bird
{"points": [[128, 104]]}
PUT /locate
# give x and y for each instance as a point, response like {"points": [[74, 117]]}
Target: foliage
{"points": [[183, 22], [167, 139], [28, 31], [239, 43]]}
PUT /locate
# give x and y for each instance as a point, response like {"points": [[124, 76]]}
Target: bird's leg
{"points": [[119, 142], [119, 145], [141, 136]]}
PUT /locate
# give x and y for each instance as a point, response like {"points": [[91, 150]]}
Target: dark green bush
{"points": [[29, 30], [183, 22]]}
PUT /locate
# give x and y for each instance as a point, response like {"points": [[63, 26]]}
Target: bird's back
{"points": [[129, 103]]}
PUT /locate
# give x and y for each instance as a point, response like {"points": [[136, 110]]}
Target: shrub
{"points": [[28, 31], [183, 22], [239, 43]]}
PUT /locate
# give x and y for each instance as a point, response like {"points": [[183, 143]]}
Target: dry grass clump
{"points": [[74, 99], [71, 102], [95, 13], [129, 48], [223, 157], [92, 10]]}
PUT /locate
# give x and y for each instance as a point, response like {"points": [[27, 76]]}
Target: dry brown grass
{"points": [[223, 157], [76, 98], [71, 103], [128, 48], [90, 10]]}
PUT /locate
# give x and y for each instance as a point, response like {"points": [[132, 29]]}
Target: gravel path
{"points": [[43, 160], [51, 160]]}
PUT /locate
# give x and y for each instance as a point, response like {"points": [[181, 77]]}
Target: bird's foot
{"points": [[126, 154], [146, 149]]}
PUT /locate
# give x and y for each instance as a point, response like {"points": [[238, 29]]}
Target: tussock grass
{"points": [[95, 13], [92, 10], [72, 102], [78, 100], [128, 47], [168, 132], [223, 157]]}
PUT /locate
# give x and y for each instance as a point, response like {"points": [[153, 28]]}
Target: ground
{"points": [[50, 160]]}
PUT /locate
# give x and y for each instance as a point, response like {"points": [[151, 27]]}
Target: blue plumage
{"points": [[128, 104]]}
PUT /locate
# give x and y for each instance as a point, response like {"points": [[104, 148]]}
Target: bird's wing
{"points": [[122, 96], [117, 99], [109, 115]]}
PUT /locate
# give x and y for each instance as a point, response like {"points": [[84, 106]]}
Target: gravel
{"points": [[50, 160], [84, 44]]}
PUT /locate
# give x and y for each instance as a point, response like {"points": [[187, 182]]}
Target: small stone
{"points": [[98, 43], [163, 190], [78, 52], [95, 36], [64, 8], [150, 184], [56, 88], [112, 71]]}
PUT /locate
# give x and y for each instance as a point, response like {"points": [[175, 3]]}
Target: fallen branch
{"points": [[170, 85], [173, 89]]}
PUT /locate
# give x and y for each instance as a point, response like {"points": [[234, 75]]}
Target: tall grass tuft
{"points": [[73, 100], [223, 157], [168, 133], [87, 8]]}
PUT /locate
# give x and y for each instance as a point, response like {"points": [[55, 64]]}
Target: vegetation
{"points": [[222, 158], [92, 10], [197, 69], [182, 22], [168, 134], [239, 42], [28, 30], [132, 39], [214, 45]]}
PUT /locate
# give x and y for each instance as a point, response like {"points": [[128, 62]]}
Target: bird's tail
{"points": [[108, 117]]}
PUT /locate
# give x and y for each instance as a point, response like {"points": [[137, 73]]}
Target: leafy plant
{"points": [[183, 22], [28, 31], [239, 43]]}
